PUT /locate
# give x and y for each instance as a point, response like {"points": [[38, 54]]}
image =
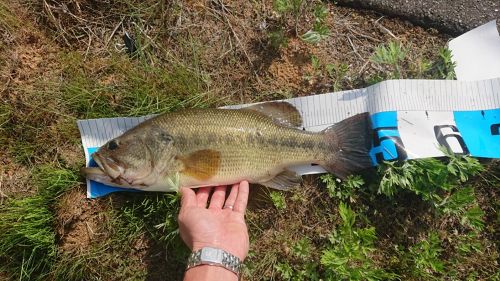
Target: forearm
{"points": [[209, 273]]}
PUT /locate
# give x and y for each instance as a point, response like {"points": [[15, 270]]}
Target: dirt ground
{"points": [[50, 48]]}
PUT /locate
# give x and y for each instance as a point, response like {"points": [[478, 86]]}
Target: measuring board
{"points": [[411, 119]]}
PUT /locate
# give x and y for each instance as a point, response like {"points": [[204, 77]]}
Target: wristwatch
{"points": [[214, 256]]}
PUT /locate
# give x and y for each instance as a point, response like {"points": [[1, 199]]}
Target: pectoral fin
{"points": [[201, 164], [281, 112], [285, 180]]}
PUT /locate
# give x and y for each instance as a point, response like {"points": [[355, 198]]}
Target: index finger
{"points": [[188, 197], [242, 199]]}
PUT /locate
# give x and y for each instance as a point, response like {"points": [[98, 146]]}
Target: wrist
{"points": [[238, 252], [214, 257], [209, 272]]}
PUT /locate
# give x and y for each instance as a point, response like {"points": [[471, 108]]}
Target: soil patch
{"points": [[79, 220], [14, 180]]}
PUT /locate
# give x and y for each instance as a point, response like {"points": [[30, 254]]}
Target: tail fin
{"points": [[350, 143]]}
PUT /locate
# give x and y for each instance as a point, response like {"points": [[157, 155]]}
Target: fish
{"points": [[212, 147]]}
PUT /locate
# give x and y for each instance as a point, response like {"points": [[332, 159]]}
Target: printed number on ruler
{"points": [[387, 143], [444, 138], [425, 132], [495, 129]]}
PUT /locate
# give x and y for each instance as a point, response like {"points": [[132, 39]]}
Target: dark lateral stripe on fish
{"points": [[252, 140]]}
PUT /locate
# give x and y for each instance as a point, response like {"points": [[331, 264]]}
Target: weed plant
{"points": [[319, 31], [291, 11], [394, 62], [278, 199], [346, 255], [343, 190], [334, 73]]}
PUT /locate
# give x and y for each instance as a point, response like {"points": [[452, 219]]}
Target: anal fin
{"points": [[285, 181]]}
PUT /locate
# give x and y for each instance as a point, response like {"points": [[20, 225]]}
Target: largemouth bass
{"points": [[207, 147]]}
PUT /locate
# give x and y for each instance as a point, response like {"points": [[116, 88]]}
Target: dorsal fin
{"points": [[201, 164], [281, 112]]}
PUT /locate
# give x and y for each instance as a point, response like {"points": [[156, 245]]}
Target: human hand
{"points": [[219, 225]]}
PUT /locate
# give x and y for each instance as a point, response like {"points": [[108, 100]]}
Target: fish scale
{"points": [[249, 142]]}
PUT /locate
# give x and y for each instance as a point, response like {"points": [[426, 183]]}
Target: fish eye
{"points": [[166, 137], [112, 145]]}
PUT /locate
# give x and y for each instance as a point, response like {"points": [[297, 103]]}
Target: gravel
{"points": [[453, 17]]}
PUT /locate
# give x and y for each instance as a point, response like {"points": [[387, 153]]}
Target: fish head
{"points": [[133, 160]]}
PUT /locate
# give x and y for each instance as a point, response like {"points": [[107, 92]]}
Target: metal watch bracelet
{"points": [[214, 256]]}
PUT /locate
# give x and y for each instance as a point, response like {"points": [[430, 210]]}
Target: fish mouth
{"points": [[98, 175], [108, 166], [107, 172]]}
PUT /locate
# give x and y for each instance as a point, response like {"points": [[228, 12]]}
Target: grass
{"points": [[143, 90], [27, 238], [8, 21], [133, 89], [92, 89], [87, 88], [430, 219], [27, 241], [145, 220]]}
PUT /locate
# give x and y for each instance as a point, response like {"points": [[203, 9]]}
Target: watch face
{"points": [[211, 255]]}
